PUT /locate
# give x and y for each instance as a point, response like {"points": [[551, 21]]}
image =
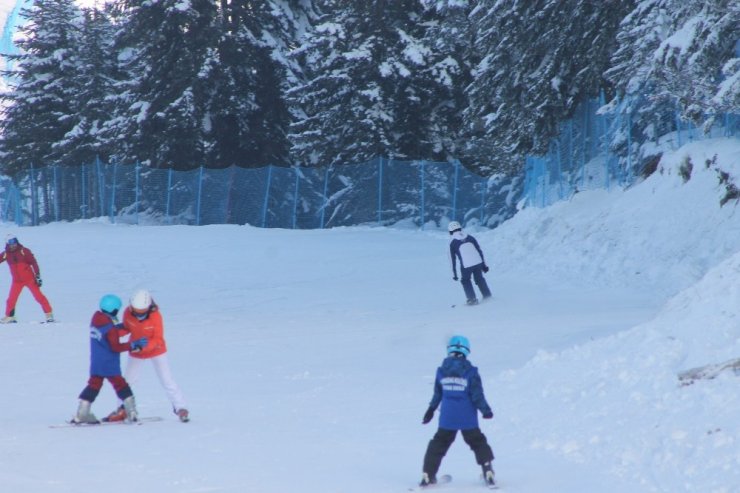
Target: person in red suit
{"points": [[25, 273]]}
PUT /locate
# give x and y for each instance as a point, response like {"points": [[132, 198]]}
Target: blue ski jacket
{"points": [[459, 389], [105, 347]]}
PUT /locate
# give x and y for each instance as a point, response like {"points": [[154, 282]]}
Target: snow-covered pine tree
{"points": [[444, 77], [697, 56], [360, 98], [640, 34], [248, 118], [541, 59], [41, 108], [96, 74], [676, 56], [163, 48]]}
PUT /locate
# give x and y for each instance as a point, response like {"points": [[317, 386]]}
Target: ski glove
{"points": [[488, 415], [454, 278], [138, 344], [38, 280], [428, 416], [485, 268]]}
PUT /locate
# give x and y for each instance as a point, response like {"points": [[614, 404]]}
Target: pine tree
{"points": [[692, 62], [41, 110], [676, 56], [96, 74], [248, 117], [164, 49], [541, 59], [448, 34], [361, 98]]}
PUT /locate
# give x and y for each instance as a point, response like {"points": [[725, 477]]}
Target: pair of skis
{"points": [[140, 421], [446, 479]]}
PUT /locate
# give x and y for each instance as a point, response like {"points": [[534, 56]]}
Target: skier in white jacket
{"points": [[465, 248]]}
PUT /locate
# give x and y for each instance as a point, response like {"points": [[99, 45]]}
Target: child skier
{"points": [[459, 389], [143, 319], [105, 361], [465, 248]]}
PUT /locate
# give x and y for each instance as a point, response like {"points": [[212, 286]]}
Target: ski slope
{"points": [[308, 357]]}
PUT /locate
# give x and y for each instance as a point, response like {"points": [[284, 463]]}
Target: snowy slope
{"points": [[308, 356]]}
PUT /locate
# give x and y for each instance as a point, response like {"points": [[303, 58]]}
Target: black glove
{"points": [[428, 416], [454, 278], [488, 415], [485, 268], [38, 280]]}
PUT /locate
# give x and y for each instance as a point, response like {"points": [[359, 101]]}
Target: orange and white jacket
{"points": [[151, 327]]}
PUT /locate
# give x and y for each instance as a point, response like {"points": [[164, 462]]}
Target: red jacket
{"points": [[22, 263]]}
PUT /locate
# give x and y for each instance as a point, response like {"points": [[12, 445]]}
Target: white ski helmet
{"points": [[141, 300], [454, 226]]}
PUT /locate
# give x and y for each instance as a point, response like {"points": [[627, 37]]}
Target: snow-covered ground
{"points": [[308, 357]]}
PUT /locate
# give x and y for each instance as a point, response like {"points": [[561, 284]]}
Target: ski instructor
{"points": [[25, 273], [465, 248]]}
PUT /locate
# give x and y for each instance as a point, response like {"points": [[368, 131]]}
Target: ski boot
{"points": [[129, 407], [488, 475], [427, 480], [49, 317], [472, 301], [183, 414], [118, 415], [10, 319], [84, 416]]}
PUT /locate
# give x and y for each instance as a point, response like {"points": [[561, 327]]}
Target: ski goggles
{"points": [[12, 241]]}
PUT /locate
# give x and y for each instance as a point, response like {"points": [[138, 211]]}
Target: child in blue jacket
{"points": [[459, 389], [105, 360]]}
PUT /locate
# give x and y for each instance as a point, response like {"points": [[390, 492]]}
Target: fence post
{"points": [[628, 175], [113, 194], [199, 196], [678, 125], [229, 195], [727, 132], [18, 211], [380, 190], [607, 161], [136, 188], [423, 184], [101, 187], [484, 188], [542, 172], [32, 184], [454, 190], [295, 196], [56, 192], [559, 169], [326, 188], [584, 138], [169, 195], [84, 199], [265, 202]]}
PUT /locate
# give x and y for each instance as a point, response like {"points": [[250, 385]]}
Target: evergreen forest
{"points": [[179, 84]]}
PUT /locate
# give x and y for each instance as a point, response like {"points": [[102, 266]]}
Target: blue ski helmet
{"points": [[459, 344], [110, 303]]}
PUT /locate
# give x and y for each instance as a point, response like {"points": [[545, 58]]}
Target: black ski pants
{"points": [[477, 274], [440, 444]]}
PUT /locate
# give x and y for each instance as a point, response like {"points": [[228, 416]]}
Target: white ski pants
{"points": [[162, 368]]}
